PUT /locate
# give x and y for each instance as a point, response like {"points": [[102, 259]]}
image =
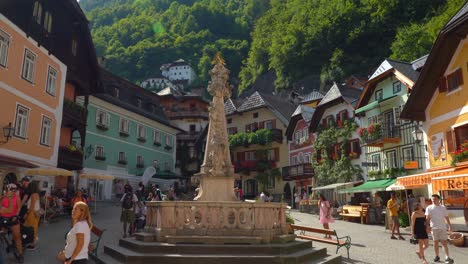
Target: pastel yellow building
{"points": [[31, 94], [256, 159], [440, 100]]}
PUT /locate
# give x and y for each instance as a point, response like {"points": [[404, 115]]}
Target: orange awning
{"points": [[455, 182], [423, 178]]}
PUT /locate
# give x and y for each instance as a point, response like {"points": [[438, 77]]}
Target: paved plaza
{"points": [[370, 244]]}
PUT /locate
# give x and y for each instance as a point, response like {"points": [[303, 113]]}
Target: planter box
{"points": [[141, 139], [100, 157], [102, 127], [157, 144], [124, 134]]}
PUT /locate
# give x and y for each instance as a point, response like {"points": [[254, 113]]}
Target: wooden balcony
{"points": [[382, 136], [187, 113], [298, 172], [70, 160], [73, 114]]}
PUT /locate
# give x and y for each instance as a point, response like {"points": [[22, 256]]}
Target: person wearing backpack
{"points": [[129, 200]]}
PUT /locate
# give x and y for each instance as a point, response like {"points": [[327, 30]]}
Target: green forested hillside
{"points": [[295, 38]]}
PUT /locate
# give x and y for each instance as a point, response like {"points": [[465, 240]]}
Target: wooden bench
{"points": [[338, 241], [355, 211], [96, 235]]}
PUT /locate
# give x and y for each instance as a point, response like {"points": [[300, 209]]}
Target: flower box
{"points": [[102, 126], [157, 144], [124, 133], [141, 139]]}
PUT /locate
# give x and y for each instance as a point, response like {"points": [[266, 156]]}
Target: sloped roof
{"points": [[419, 62], [436, 64], [252, 102], [229, 107], [314, 95], [405, 68], [302, 113]]}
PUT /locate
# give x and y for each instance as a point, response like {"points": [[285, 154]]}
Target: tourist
{"points": [[297, 199], [5, 210], [127, 217], [24, 196], [392, 206], [12, 220], [263, 197], [33, 214], [140, 192], [118, 190], [418, 230], [437, 217], [77, 242], [140, 216], [78, 198], [377, 204], [325, 213]]}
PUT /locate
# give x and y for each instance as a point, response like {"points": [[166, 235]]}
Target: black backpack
{"points": [[127, 202]]}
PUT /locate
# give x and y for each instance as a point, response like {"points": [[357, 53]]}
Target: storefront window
{"points": [[455, 198]]}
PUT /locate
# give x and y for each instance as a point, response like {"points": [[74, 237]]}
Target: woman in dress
{"points": [[325, 213], [418, 229], [76, 249]]}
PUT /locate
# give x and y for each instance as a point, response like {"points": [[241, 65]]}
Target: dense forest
{"points": [[293, 38]]}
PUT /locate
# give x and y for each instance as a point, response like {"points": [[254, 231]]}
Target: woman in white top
{"points": [[76, 249]]}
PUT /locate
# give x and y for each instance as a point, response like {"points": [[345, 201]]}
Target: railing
{"points": [[297, 172], [277, 135], [253, 165], [74, 113], [221, 219], [70, 160], [187, 112], [382, 134]]}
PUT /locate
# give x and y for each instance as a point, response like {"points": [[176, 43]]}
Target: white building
{"points": [[157, 83], [177, 71]]}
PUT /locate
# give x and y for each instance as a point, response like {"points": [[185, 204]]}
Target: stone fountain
{"points": [[215, 227]]}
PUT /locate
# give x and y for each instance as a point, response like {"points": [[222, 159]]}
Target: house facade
{"points": [[300, 138], [189, 113], [127, 132], [388, 141], [256, 125], [32, 87], [439, 102], [177, 71]]}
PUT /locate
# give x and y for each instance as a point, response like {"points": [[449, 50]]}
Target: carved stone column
{"points": [[216, 175]]}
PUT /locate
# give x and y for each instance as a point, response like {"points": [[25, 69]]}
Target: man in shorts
{"points": [[392, 206], [437, 217]]}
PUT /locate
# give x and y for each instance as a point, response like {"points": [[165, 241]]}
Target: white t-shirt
{"points": [[80, 227], [437, 214]]}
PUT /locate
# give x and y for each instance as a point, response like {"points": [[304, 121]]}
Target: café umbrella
{"points": [[96, 176]]}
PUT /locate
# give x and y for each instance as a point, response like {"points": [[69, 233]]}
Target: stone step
{"points": [[153, 247], [330, 259], [124, 255], [214, 240]]}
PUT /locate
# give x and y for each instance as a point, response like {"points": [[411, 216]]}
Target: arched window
{"points": [[37, 13]]}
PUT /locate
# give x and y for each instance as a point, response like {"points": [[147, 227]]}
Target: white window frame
{"points": [[140, 160], [376, 158], [121, 155], [307, 158], [105, 120], [5, 40], [268, 124], [408, 156], [156, 136], [392, 162], [48, 21], [250, 155], [271, 154], [297, 136], [51, 83], [123, 125], [37, 12], [21, 122], [168, 141], [99, 151], [29, 65], [141, 131], [46, 131]]}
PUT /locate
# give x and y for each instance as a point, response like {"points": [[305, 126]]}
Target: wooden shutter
{"points": [[345, 115], [450, 142], [347, 148], [273, 123], [261, 125], [277, 156], [442, 84], [396, 115], [240, 156], [357, 146]]}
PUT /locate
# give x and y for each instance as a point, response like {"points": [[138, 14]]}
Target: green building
{"points": [[126, 133]]}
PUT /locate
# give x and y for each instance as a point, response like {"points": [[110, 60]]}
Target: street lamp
{"points": [[89, 151], [417, 134], [7, 132]]}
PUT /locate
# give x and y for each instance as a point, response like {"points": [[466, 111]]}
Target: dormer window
{"points": [[37, 13], [48, 22]]}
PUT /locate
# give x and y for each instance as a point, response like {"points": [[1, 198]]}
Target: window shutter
{"points": [[240, 156], [459, 76], [442, 84], [450, 142], [347, 147], [235, 130], [338, 117], [273, 123], [396, 115], [261, 125], [277, 156], [357, 147]]}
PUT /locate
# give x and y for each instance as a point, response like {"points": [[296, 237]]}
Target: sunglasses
{"points": [[12, 189]]}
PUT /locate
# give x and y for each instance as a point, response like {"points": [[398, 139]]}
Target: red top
{"points": [[15, 206]]}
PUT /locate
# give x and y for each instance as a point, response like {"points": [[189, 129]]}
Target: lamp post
{"points": [[89, 151], [7, 132]]}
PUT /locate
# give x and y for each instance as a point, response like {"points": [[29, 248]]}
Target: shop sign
{"points": [[411, 165], [460, 183], [369, 164], [414, 181]]}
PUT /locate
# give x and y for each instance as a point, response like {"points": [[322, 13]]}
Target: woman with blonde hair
{"points": [[418, 230], [76, 248]]}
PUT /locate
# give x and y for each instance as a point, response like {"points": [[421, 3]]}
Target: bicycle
{"points": [[6, 241]]}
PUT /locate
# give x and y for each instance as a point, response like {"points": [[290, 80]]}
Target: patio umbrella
{"points": [[96, 176], [51, 172]]}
